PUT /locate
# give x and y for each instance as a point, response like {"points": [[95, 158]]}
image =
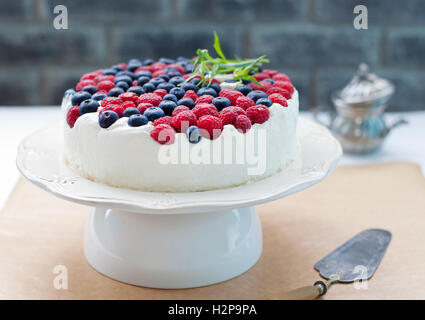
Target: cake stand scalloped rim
{"points": [[64, 186]]}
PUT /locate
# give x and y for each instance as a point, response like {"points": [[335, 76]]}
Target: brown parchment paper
{"points": [[39, 231]]}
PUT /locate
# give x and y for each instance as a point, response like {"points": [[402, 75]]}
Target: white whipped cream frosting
{"points": [[127, 157]]}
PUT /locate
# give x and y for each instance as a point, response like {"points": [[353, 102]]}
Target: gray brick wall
{"points": [[313, 41]]}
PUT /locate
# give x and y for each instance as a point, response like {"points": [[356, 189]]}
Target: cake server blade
{"points": [[356, 259]]}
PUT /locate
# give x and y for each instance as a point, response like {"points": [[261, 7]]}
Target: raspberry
{"points": [[277, 98], [204, 99], [179, 109], [163, 134], [255, 86], [129, 96], [266, 84], [230, 94], [282, 92], [242, 123], [122, 65], [285, 85], [244, 102], [105, 85], [205, 109], [261, 76], [258, 113], [210, 126], [164, 120], [187, 76], [192, 95], [111, 100], [128, 104], [158, 73], [184, 120], [281, 77], [72, 116], [89, 76], [134, 83], [150, 98], [143, 68], [158, 66], [270, 72], [80, 85], [229, 114], [143, 106], [114, 107], [103, 77], [161, 92], [177, 66]]}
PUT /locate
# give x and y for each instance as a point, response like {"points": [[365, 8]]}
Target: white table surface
{"points": [[406, 143]]}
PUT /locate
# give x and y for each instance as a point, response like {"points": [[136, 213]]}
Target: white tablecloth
{"points": [[405, 143]]}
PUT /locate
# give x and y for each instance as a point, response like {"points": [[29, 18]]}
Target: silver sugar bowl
{"points": [[358, 122]]}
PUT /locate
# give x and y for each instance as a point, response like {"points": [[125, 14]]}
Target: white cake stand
{"points": [[174, 240]]}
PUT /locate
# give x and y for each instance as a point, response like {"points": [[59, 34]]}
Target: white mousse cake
{"points": [[164, 126]]}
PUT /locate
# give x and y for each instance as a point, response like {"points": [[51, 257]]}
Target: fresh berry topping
{"points": [[261, 76], [137, 120], [79, 97], [282, 92], [72, 116], [281, 77], [264, 101], [170, 97], [244, 102], [245, 89], [191, 94], [179, 109], [107, 118], [178, 92], [114, 107], [88, 106], [193, 134], [89, 76], [123, 85], [150, 98], [110, 100], [258, 114], [98, 96], [190, 86], [203, 109], [163, 133], [270, 72], [129, 96], [142, 80], [256, 87], [130, 111], [266, 84], [231, 94], [188, 102], [277, 98], [256, 94], [164, 120], [128, 104], [80, 85], [148, 87], [90, 89], [211, 126], [285, 85], [204, 99], [160, 92], [183, 120], [207, 91], [153, 113], [105, 86], [143, 106], [176, 80], [115, 92], [221, 103], [167, 106], [242, 123], [228, 116]]}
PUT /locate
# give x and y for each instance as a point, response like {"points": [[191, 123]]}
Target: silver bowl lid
{"points": [[365, 86]]}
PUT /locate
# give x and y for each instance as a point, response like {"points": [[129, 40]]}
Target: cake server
{"points": [[357, 259]]}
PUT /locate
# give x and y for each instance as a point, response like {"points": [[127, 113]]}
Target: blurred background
{"points": [[313, 41]]}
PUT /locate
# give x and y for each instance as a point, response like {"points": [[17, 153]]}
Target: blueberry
{"points": [[264, 101], [88, 106], [153, 113], [107, 118], [142, 80], [213, 85], [109, 72], [195, 81], [118, 68], [193, 134], [176, 80], [148, 87], [98, 96], [246, 82], [156, 81], [148, 62], [165, 77], [124, 78], [188, 67], [130, 111], [181, 59], [137, 120], [256, 94], [122, 84], [79, 97], [221, 103], [90, 89], [244, 89], [167, 86], [137, 90], [133, 64], [115, 92], [188, 102], [166, 60], [207, 91], [173, 73], [178, 92], [170, 97], [143, 73], [68, 92], [190, 86], [167, 106], [125, 73], [231, 80], [269, 80]]}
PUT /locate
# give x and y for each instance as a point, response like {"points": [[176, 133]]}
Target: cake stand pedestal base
{"points": [[173, 251]]}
